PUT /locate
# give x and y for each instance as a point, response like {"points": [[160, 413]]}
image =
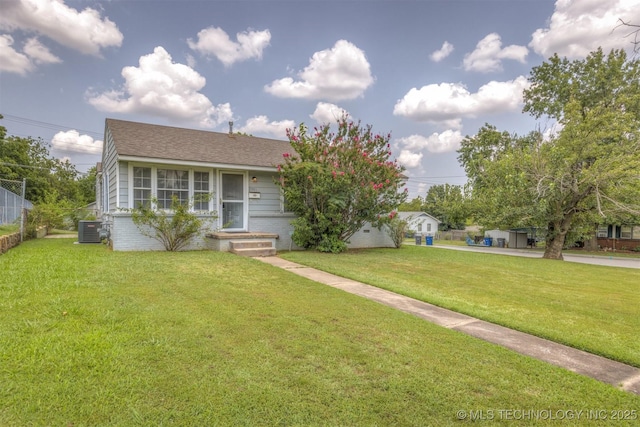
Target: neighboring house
{"points": [[420, 223], [618, 237], [143, 160]]}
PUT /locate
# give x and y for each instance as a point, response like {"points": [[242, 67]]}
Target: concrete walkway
{"points": [[608, 371]]}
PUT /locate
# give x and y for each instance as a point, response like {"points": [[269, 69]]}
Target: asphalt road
{"points": [[609, 261]]}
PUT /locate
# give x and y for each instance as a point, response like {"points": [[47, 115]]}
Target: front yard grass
{"points": [[593, 308], [94, 337], [9, 229]]}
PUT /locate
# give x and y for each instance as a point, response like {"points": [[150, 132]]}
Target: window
{"points": [[420, 227], [163, 183], [284, 203], [428, 227], [603, 231], [625, 232], [141, 186], [172, 183], [201, 193]]}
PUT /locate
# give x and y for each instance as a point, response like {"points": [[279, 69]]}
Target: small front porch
{"points": [[254, 243]]}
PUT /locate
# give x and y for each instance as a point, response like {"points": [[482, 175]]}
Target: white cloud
{"points": [[443, 142], [335, 74], [34, 53], [442, 53], [161, 87], [448, 103], [12, 61], [489, 53], [577, 28], [409, 159], [72, 141], [216, 42], [39, 53], [262, 125], [326, 113], [85, 31]]}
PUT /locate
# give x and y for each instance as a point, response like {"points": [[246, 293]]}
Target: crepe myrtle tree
{"points": [[335, 182]]}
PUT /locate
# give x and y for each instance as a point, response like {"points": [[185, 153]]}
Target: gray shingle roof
{"points": [[165, 142]]}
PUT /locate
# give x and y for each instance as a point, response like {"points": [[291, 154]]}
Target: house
{"points": [[616, 237], [420, 222], [142, 160]]}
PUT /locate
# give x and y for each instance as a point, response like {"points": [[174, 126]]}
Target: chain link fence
{"points": [[13, 204]]}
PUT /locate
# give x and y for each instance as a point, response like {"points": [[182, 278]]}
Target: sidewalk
{"points": [[608, 371]]}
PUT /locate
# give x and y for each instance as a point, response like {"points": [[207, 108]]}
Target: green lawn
{"points": [[9, 229], [593, 308], [94, 337]]}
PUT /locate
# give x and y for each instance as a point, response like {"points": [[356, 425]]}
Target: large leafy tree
{"points": [[87, 185], [588, 168], [447, 203], [412, 205], [28, 158], [495, 162], [337, 182]]}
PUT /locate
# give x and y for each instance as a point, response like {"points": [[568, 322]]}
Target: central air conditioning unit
{"points": [[89, 232]]}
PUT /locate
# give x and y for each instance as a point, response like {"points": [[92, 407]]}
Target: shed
{"points": [[518, 239]]}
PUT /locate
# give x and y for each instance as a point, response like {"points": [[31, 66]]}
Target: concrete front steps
{"points": [[256, 243], [252, 248]]}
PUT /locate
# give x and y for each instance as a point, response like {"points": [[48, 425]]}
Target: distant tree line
{"points": [[55, 187]]}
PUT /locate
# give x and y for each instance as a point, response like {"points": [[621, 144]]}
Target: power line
{"points": [[45, 125], [24, 166]]}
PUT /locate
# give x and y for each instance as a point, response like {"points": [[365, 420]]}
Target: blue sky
{"points": [[429, 72]]}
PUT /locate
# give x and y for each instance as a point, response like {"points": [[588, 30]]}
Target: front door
{"points": [[233, 216]]}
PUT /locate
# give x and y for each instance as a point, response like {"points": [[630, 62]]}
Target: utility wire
{"points": [[45, 125]]}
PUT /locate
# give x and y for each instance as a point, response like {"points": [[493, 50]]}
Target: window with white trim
{"points": [[625, 232], [201, 191], [172, 182], [141, 186]]}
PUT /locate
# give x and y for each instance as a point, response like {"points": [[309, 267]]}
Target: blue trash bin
{"points": [[428, 240], [488, 241]]}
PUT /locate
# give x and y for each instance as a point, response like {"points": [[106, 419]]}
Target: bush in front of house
{"points": [[174, 228]]}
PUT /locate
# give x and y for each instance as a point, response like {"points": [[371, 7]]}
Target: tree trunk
{"points": [[556, 236], [553, 248]]}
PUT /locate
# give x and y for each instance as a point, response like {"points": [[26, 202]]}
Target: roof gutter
{"points": [[196, 164]]}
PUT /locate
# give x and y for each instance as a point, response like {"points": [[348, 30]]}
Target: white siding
{"points": [[269, 202], [109, 172]]}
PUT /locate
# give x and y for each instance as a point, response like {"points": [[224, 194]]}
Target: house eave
{"points": [[195, 163]]}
